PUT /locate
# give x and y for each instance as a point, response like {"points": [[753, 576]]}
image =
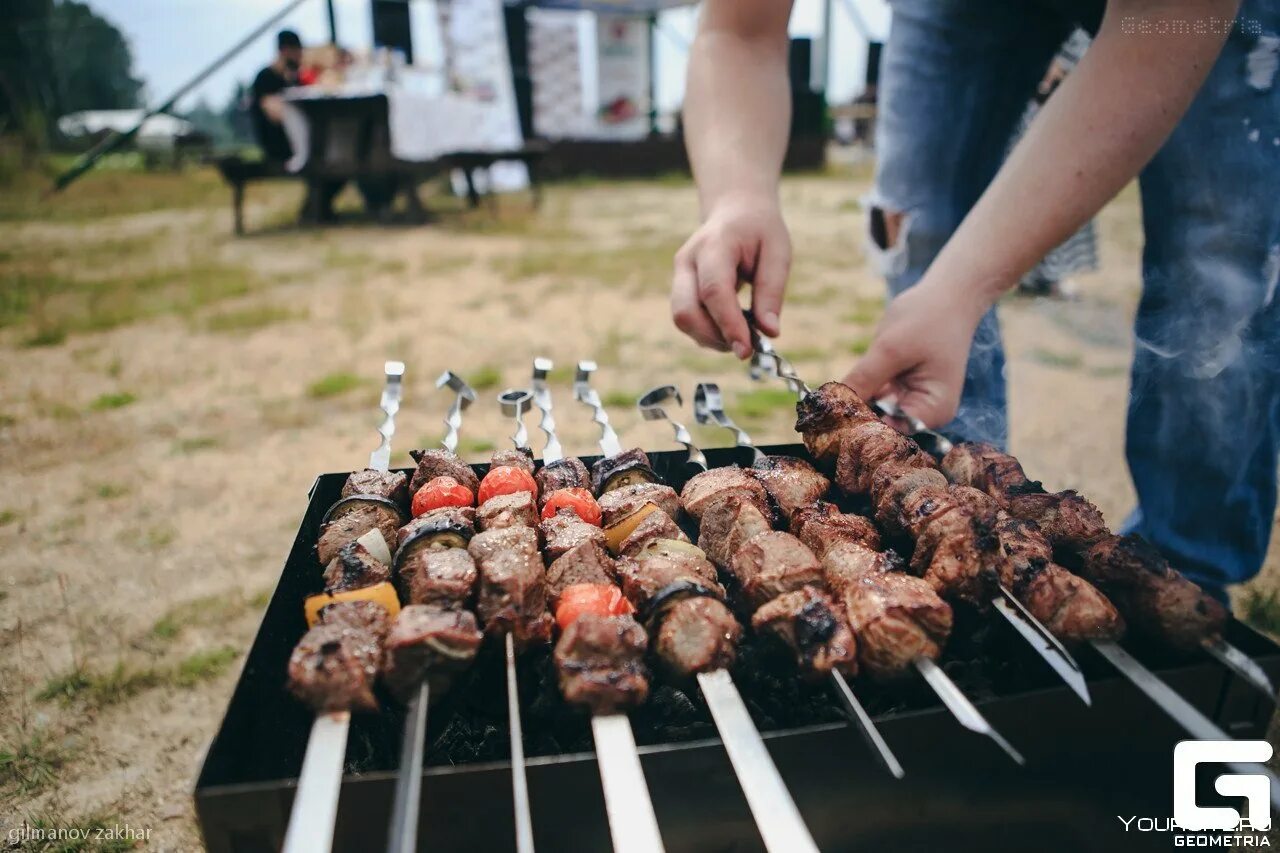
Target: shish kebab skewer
{"points": [[660, 573], [599, 656], [436, 633], [651, 408], [899, 620], [445, 492], [335, 664]]}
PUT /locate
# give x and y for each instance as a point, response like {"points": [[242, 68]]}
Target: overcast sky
{"points": [[174, 39]]}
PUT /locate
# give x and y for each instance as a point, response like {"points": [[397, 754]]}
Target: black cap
{"points": [[287, 39]]}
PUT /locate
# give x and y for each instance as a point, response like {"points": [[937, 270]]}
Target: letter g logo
{"points": [[1255, 788]]}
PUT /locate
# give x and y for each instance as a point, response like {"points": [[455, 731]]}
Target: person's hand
{"points": [[920, 350], [743, 239]]}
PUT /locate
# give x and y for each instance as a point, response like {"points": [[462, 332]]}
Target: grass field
{"points": [[169, 392]]}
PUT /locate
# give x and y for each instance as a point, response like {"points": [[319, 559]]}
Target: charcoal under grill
{"points": [[1085, 765]]}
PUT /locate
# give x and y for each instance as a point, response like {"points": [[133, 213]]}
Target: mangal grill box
{"points": [[1085, 765]]}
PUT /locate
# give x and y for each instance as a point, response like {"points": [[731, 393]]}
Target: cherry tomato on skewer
{"points": [[506, 480], [441, 492], [578, 500], [601, 599]]}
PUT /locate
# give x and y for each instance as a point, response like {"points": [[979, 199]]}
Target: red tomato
{"points": [[601, 599], [506, 480], [440, 492], [578, 500]]}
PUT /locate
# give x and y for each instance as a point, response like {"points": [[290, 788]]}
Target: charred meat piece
{"points": [[587, 562], [792, 483], [441, 463], [335, 665], [1155, 599], [354, 568], [772, 564], [697, 634], [986, 468], [890, 486], [656, 525], [600, 661], [730, 523], [824, 414], [393, 485], [519, 457], [625, 469], [568, 473], [896, 617], [353, 519], [513, 596], [564, 531], [520, 540], [1068, 520], [428, 642], [813, 626], [517, 509], [712, 485], [619, 503], [957, 551], [644, 578], [867, 446], [443, 577], [822, 525]]}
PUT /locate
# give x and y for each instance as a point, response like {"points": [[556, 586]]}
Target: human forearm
{"points": [[1095, 134], [738, 99]]}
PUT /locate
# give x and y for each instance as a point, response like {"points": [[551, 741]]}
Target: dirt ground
{"points": [[169, 392]]}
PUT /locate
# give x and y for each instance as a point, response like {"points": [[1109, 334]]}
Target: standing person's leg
{"points": [[955, 78], [1204, 415]]}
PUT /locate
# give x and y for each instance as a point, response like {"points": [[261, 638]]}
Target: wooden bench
{"points": [[239, 173]]}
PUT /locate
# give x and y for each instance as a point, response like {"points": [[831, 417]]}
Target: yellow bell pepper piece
{"points": [[380, 593]]}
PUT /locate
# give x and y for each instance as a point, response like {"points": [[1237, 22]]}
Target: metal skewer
{"points": [[708, 408], [633, 825], [650, 405], [315, 804], [1242, 665], [779, 821]]}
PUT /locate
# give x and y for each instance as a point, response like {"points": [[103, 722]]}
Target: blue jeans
{"points": [[1204, 414]]}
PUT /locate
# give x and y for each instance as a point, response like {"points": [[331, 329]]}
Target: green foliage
{"points": [[116, 400], [204, 665], [98, 689], [251, 318], [32, 764], [764, 402], [1262, 610], [485, 378], [334, 385]]}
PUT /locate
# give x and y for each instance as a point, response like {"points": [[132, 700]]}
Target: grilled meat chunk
{"points": [[393, 485], [565, 531], [519, 457], [513, 595], [514, 510], [335, 665], [696, 634], [891, 484], [792, 483], [644, 578], [867, 446], [625, 469], [774, 563], [987, 468], [428, 642], [1156, 600], [1070, 522], [814, 627], [823, 416], [619, 503], [656, 525], [568, 473], [354, 568], [896, 617], [441, 463], [520, 540], [351, 521], [600, 661], [586, 562], [822, 525], [715, 484], [730, 523], [442, 577], [957, 551]]}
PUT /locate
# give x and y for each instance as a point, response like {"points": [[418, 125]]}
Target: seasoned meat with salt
{"points": [[727, 525], [1156, 600], [393, 485], [656, 525], [957, 552], [518, 457], [444, 577], [514, 510], [351, 521], [792, 483], [822, 525], [814, 628], [519, 540], [896, 617], [361, 617], [617, 504], [565, 531], [512, 596], [644, 577], [1069, 521], [354, 568], [823, 416], [715, 484], [772, 564], [587, 562], [335, 665], [697, 634], [869, 445], [568, 473], [441, 463], [890, 486], [600, 662], [428, 642]]}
